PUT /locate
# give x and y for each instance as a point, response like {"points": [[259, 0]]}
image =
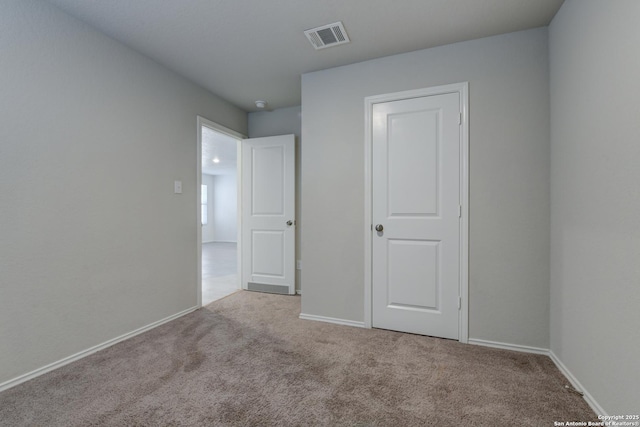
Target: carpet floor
{"points": [[247, 360]]}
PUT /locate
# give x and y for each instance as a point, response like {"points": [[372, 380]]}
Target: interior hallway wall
{"points": [[94, 243], [509, 187], [225, 208], [284, 121], [595, 201]]}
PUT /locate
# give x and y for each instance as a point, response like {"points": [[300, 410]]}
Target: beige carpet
{"points": [[247, 360]]}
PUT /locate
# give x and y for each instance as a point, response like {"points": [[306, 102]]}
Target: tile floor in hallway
{"points": [[219, 271]]}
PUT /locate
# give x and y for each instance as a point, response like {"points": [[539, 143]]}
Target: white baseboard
{"points": [[507, 346], [332, 320], [576, 384], [60, 363]]}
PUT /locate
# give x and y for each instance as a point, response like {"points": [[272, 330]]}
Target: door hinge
{"points": [[460, 118], [459, 211], [459, 303]]}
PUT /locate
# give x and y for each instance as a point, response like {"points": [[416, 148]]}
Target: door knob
{"points": [[379, 227], [289, 223]]}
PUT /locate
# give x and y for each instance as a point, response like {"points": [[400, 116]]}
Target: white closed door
{"points": [[268, 214], [416, 206]]}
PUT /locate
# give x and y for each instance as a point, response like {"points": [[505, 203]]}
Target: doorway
{"points": [[417, 212], [219, 219]]}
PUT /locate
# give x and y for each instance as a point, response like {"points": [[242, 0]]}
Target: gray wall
{"points": [[509, 185], [93, 242], [283, 121], [595, 203]]}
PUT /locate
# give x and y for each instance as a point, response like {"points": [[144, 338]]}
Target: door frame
{"points": [[201, 121], [462, 89]]}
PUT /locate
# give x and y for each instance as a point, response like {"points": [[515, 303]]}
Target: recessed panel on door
{"points": [[413, 274], [413, 141], [267, 180], [267, 253]]}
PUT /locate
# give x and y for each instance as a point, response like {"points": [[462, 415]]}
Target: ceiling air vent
{"points": [[327, 35]]}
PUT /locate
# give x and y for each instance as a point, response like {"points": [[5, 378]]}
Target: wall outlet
{"points": [[177, 187], [298, 265]]}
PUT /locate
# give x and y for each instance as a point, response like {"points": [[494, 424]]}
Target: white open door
{"points": [[268, 214]]}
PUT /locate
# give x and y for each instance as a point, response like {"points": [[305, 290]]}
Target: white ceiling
{"points": [[245, 50], [215, 144]]}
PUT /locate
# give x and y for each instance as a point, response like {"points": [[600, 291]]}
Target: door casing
{"points": [[462, 89]]}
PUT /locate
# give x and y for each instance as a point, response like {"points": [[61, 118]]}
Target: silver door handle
{"points": [[289, 223], [379, 227]]}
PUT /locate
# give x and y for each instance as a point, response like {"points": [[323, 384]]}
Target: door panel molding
{"points": [[462, 90]]}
